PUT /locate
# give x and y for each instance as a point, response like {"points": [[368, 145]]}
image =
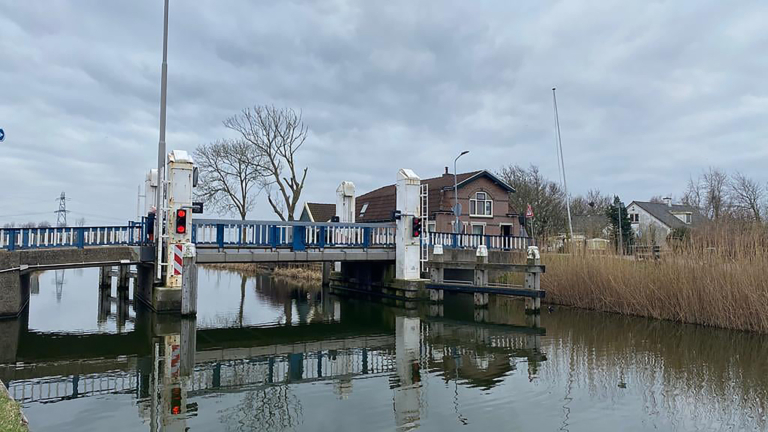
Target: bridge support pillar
{"points": [[327, 274], [143, 290], [408, 248], [105, 277], [533, 282], [14, 293], [123, 278], [481, 299], [105, 306]]}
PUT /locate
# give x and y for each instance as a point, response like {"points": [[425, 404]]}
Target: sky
{"points": [[649, 93]]}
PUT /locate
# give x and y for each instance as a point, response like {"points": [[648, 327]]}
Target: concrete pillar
{"points": [[105, 306], [407, 264], [533, 281], [105, 277], [10, 335], [143, 288], [345, 207], [123, 308], [327, 274], [436, 295], [123, 278], [189, 281], [436, 274], [14, 293], [481, 299]]}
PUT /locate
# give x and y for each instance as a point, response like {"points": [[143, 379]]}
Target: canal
{"points": [[266, 354]]}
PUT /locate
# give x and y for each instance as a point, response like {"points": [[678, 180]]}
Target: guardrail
{"points": [[68, 237], [472, 241], [297, 236]]}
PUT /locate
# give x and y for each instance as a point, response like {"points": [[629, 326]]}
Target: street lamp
{"points": [[456, 192]]}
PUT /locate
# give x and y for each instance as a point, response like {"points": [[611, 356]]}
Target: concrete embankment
{"points": [[11, 417]]}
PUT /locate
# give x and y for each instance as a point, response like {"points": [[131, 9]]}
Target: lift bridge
{"points": [[401, 258]]}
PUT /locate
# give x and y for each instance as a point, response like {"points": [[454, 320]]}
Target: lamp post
{"points": [[456, 192], [160, 202]]}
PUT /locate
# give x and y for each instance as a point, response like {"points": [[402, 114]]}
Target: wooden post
{"points": [[123, 277], [189, 281], [532, 281], [326, 274], [105, 278]]}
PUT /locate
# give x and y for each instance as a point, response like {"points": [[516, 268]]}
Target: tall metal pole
{"points": [[160, 206], [456, 193], [621, 240], [562, 165]]}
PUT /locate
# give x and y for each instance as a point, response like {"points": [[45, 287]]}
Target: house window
{"points": [[478, 229], [363, 209], [481, 205], [634, 217], [688, 218], [431, 226]]}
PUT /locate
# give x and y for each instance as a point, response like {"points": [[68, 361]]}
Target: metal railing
{"points": [[472, 241], [297, 236], [71, 237]]}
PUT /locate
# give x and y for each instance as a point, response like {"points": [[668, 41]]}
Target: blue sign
{"points": [[2, 135]]}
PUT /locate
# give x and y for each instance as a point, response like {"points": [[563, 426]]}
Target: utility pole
{"points": [[561, 163], [61, 213], [621, 240], [160, 203]]}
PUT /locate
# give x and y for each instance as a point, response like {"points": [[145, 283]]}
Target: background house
{"points": [[483, 196], [654, 221], [317, 212]]}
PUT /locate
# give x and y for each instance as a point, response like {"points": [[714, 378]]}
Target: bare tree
{"points": [[231, 171], [545, 196], [658, 199], [748, 196], [10, 225], [29, 225], [693, 195], [44, 224], [715, 184], [276, 135]]}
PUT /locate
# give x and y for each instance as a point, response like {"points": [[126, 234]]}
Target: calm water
{"points": [[265, 355]]}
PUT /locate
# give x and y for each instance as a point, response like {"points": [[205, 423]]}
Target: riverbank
{"points": [[708, 288], [309, 273], [11, 417]]}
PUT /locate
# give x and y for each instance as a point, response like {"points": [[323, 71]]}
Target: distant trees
{"points": [[545, 196], [618, 212], [720, 196]]}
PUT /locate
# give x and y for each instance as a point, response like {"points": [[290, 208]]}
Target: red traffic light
{"points": [[181, 221]]}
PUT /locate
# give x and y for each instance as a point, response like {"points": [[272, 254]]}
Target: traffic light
{"points": [[176, 401], [181, 221], [416, 227]]}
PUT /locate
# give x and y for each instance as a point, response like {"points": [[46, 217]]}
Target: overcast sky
{"points": [[649, 93]]}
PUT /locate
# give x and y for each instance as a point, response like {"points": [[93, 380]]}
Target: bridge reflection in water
{"points": [[167, 364]]}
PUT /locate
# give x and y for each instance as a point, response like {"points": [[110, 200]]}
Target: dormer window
{"points": [[480, 204]]}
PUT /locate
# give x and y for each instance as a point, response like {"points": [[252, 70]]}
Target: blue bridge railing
{"points": [[77, 237], [472, 241], [295, 235]]}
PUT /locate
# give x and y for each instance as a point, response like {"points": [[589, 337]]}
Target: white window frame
{"points": [[486, 202], [474, 224], [510, 225], [431, 226]]}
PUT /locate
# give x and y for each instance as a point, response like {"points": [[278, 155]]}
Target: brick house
{"points": [[484, 199]]}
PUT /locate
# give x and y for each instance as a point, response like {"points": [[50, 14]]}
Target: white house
{"points": [[659, 219]]}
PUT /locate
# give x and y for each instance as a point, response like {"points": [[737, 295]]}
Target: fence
{"points": [[77, 237], [295, 235], [472, 241]]}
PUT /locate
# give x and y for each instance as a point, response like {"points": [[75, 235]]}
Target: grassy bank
{"points": [[307, 273], [720, 280], [11, 419]]}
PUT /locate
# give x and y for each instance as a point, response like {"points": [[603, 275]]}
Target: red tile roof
{"points": [[381, 202]]}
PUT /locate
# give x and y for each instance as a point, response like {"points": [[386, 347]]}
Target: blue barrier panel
{"points": [[12, 239], [366, 237], [321, 237], [220, 235], [299, 234]]}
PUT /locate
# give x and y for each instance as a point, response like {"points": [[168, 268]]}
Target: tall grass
{"points": [[717, 276]]}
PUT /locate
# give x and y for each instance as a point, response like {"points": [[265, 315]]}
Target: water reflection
{"points": [[269, 355]]}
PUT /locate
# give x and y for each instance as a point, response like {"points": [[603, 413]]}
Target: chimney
{"points": [[446, 171], [668, 201]]}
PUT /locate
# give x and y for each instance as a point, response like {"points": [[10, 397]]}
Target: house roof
{"points": [[321, 212], [382, 201], [664, 213]]}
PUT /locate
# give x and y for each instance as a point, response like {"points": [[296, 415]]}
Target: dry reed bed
{"points": [[720, 280], [294, 272]]}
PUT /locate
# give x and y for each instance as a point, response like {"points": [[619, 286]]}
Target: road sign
{"points": [[197, 207], [457, 209], [2, 135], [529, 212]]}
